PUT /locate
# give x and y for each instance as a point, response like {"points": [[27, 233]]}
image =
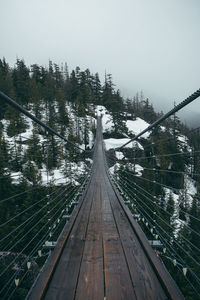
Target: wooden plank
{"points": [[91, 278], [118, 284]]}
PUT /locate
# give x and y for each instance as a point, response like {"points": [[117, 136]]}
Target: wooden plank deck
{"points": [[100, 255]]}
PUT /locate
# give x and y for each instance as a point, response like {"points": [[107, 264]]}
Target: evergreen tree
{"points": [[17, 123], [171, 217], [63, 117], [97, 89], [21, 81], [107, 92], [6, 81], [34, 152], [73, 87]]}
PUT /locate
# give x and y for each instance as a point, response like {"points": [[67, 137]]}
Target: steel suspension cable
{"points": [[31, 239], [128, 172], [35, 214], [164, 221]]}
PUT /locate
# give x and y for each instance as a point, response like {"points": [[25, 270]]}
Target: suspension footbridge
{"points": [[102, 253], [103, 256]]}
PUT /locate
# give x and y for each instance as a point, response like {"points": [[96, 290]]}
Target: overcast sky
{"points": [[149, 45]]}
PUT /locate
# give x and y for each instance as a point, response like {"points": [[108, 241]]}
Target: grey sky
{"points": [[149, 45]]}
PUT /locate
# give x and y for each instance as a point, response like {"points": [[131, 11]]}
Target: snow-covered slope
{"points": [[134, 127], [107, 122], [116, 143], [57, 175]]}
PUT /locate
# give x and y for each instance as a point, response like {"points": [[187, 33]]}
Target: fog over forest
{"points": [[151, 46]]}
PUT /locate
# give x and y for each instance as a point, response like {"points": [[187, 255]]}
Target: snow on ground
{"points": [[90, 142], [135, 168], [184, 142], [114, 168], [29, 130], [116, 143], [55, 176], [190, 191], [138, 170], [89, 160], [190, 187], [91, 139], [135, 127], [177, 223], [16, 177], [163, 128], [119, 155], [20, 137], [168, 192], [58, 176], [101, 110], [107, 123]]}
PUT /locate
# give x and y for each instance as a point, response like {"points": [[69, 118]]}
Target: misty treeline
{"points": [[66, 102]]}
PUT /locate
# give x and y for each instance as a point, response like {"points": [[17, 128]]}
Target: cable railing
{"points": [[38, 196], [159, 182]]}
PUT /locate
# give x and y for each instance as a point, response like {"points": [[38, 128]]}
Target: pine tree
{"points": [[171, 218], [6, 81], [30, 172], [118, 116], [34, 151], [183, 200], [17, 123], [63, 117], [73, 87], [107, 92], [21, 82]]}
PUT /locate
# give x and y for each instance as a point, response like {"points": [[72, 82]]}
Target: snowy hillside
{"points": [[20, 144], [134, 127]]}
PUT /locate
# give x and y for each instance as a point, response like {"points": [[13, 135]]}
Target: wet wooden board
{"points": [[91, 278], [118, 284]]}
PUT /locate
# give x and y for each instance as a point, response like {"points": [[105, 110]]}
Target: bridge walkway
{"points": [[102, 253]]}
